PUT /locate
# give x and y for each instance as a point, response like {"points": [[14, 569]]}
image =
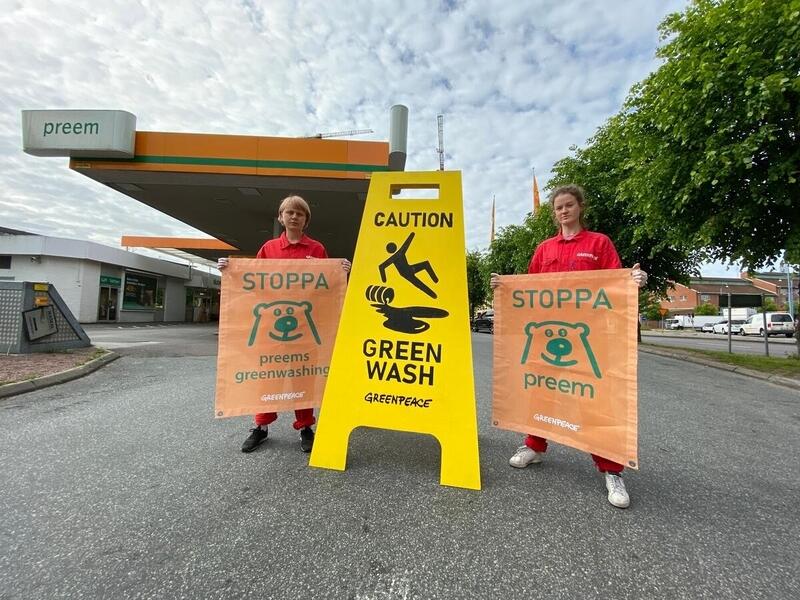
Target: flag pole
{"points": [[491, 234]]}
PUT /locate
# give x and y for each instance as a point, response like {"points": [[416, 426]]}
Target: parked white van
{"points": [[778, 323], [679, 322]]}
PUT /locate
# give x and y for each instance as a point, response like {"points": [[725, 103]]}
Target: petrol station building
{"points": [[227, 186]]}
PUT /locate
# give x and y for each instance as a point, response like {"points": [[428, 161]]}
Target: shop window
{"points": [[5, 262], [705, 298], [139, 292], [160, 297]]}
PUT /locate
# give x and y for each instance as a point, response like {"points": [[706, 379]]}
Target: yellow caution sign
{"points": [[403, 358]]}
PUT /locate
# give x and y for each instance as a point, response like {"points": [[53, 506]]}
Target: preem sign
{"points": [[79, 133], [403, 359]]}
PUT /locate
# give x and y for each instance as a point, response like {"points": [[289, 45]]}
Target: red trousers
{"points": [[539, 444], [303, 417]]}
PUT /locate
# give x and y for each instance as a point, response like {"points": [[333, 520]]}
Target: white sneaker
{"points": [[617, 494], [523, 457]]}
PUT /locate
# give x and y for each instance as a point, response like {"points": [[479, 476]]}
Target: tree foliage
{"points": [[703, 160], [601, 169], [712, 135], [706, 310], [649, 305], [768, 306], [477, 281], [513, 246]]}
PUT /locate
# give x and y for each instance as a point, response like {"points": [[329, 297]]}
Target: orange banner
{"points": [[565, 360], [277, 327]]}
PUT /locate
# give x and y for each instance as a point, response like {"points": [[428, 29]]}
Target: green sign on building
{"points": [[111, 281]]}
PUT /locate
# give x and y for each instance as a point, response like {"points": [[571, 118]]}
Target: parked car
{"points": [[708, 327], [778, 323], [722, 326], [700, 322], [484, 321]]}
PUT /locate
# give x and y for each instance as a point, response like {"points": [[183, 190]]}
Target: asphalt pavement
{"points": [[779, 346], [121, 484]]}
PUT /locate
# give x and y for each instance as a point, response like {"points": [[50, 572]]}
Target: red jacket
{"points": [[587, 251], [282, 248]]}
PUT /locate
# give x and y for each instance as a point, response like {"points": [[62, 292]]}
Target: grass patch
{"points": [[776, 365], [98, 352]]}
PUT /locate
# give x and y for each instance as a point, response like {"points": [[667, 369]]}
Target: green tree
{"points": [[707, 310], [601, 169], [513, 246], [713, 135], [649, 305], [477, 282], [769, 306]]}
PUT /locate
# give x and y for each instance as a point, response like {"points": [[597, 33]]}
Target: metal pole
{"points": [[791, 300], [730, 327], [766, 333]]}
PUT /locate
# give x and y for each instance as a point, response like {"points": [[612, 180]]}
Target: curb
{"points": [[776, 379], [782, 341], [21, 387]]}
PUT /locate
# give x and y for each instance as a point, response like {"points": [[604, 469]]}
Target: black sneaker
{"points": [[306, 439], [257, 435]]}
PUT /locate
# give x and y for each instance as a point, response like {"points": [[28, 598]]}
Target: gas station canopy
{"points": [[227, 186]]}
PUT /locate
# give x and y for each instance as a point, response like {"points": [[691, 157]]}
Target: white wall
{"points": [[90, 278], [63, 273], [175, 300]]}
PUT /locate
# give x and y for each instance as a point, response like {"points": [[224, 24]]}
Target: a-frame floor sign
{"points": [[403, 355]]}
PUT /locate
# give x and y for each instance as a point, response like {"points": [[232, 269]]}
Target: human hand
{"points": [[346, 265], [639, 276], [494, 280], [222, 263]]}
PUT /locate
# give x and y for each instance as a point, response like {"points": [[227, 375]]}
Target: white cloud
{"points": [[518, 84]]}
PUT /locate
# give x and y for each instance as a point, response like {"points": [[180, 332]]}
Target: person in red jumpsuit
{"points": [[294, 214], [575, 248]]}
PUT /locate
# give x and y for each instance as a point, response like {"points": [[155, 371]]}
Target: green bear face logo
{"points": [[560, 344], [287, 319]]}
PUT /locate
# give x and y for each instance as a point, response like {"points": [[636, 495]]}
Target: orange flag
{"points": [[565, 360], [491, 235], [535, 194]]}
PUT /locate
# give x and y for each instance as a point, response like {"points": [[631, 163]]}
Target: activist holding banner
{"points": [[574, 248], [294, 214]]}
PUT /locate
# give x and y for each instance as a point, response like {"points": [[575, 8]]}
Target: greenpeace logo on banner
{"points": [[556, 422], [283, 396]]}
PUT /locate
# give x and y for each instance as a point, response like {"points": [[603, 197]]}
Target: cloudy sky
{"points": [[518, 84]]}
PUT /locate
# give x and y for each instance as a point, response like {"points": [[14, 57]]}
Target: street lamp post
{"points": [[789, 280], [730, 325]]}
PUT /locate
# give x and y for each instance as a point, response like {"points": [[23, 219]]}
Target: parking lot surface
{"points": [[122, 484]]}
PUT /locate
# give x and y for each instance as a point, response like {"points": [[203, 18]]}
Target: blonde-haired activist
{"points": [[575, 248], [294, 215]]}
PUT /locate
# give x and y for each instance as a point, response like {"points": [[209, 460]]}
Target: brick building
{"points": [[683, 300]]}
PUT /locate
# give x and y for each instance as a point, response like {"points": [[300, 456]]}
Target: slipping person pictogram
{"points": [[408, 271]]}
